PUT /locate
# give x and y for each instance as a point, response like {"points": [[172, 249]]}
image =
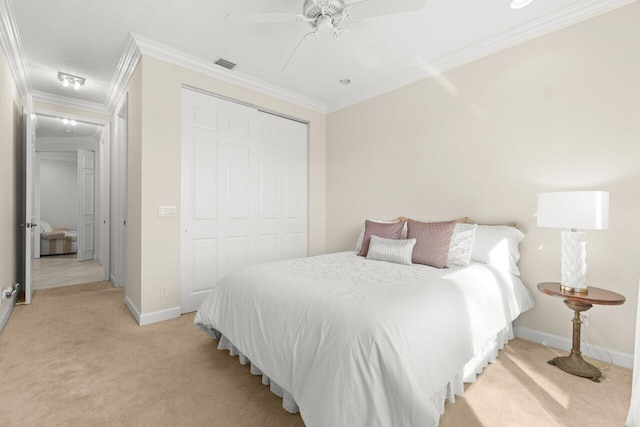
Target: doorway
{"points": [[71, 194]]}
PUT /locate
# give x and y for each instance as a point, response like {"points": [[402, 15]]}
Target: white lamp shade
{"points": [[583, 210]]}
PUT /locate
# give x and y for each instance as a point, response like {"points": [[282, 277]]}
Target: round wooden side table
{"points": [[579, 302]]}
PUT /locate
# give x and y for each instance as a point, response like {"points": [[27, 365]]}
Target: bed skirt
{"points": [[288, 403], [487, 354]]}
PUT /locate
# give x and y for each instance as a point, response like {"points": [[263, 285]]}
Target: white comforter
{"points": [[359, 342]]}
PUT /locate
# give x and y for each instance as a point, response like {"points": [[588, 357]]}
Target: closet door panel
{"points": [[244, 191]]}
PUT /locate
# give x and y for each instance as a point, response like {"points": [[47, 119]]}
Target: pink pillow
{"points": [[432, 242], [387, 231]]}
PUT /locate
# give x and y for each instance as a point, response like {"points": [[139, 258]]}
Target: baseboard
{"points": [[621, 359], [113, 280], [159, 316], [149, 318], [132, 309], [6, 307]]}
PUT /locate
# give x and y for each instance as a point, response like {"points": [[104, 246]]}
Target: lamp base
{"points": [[574, 261], [564, 288], [576, 365]]}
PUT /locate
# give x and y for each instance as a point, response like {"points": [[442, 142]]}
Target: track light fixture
{"points": [[71, 80]]}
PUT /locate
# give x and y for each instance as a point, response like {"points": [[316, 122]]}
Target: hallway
{"points": [[64, 270]]}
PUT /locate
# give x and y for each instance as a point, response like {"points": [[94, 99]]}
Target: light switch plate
{"points": [[166, 211]]}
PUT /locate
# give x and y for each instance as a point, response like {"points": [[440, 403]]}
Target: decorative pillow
{"points": [[46, 228], [462, 240], [391, 250], [497, 245], [432, 242], [389, 231], [382, 221]]}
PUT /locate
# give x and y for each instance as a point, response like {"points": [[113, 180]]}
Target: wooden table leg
{"points": [[574, 363]]}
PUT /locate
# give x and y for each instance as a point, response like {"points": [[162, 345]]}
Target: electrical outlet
{"points": [[164, 292]]}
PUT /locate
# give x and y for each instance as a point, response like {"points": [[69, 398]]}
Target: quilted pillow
{"points": [[432, 242], [388, 231], [461, 247], [398, 251]]}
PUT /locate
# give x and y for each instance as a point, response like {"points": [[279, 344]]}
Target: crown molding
{"points": [[10, 42], [169, 54], [127, 65], [64, 101], [553, 21]]}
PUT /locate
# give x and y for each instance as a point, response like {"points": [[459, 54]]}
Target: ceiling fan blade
{"points": [[302, 50], [358, 49], [371, 8], [262, 18]]}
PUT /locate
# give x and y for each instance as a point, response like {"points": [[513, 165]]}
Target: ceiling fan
{"points": [[325, 16]]}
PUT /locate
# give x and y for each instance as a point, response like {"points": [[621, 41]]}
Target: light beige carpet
{"points": [[75, 357]]}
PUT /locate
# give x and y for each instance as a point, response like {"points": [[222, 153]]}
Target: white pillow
{"points": [[462, 240], [497, 245], [46, 228], [381, 221], [391, 250]]}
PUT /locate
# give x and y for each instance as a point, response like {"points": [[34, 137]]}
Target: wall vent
{"points": [[224, 63]]}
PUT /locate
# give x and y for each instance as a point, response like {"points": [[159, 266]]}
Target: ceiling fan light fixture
{"points": [[328, 16], [312, 9], [519, 4]]}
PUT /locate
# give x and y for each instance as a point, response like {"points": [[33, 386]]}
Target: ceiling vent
{"points": [[226, 64]]}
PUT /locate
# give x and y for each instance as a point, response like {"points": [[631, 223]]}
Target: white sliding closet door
{"points": [[244, 191]]}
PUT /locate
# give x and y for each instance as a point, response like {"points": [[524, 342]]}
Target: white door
{"points": [[28, 221], [86, 204], [36, 203], [244, 191]]}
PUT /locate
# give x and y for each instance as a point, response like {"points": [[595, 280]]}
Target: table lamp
{"points": [[573, 211]]}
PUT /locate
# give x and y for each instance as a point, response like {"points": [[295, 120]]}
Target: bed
{"points": [[349, 341]]}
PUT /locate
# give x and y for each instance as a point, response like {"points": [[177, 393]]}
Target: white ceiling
{"points": [[87, 38]]}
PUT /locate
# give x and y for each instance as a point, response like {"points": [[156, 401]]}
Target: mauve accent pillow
{"points": [[432, 242], [387, 231]]}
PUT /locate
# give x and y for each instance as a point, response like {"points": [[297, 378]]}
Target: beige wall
{"points": [[160, 172], [10, 146], [561, 112]]}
